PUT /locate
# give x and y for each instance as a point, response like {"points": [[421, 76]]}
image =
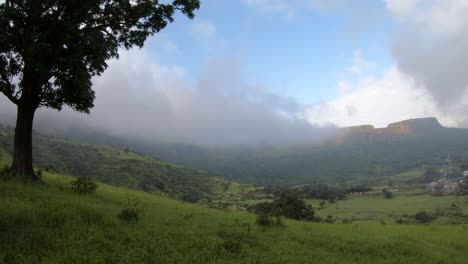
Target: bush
{"points": [[83, 185], [39, 174], [347, 221], [132, 211], [401, 221], [233, 235], [5, 170], [264, 219], [423, 217], [388, 194], [289, 204], [191, 197], [330, 219]]}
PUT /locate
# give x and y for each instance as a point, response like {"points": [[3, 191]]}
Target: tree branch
{"points": [[8, 89]]}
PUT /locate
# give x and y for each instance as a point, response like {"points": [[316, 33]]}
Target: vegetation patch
{"points": [[83, 185]]}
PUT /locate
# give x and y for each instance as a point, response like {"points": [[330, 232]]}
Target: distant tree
{"points": [[388, 194], [50, 50], [287, 203]]}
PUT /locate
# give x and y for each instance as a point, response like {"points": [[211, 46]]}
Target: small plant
{"points": [[330, 219], [423, 217], [132, 211], [401, 221], [264, 219], [5, 169], [322, 204], [388, 194], [83, 185], [39, 174], [347, 221], [279, 221], [233, 235]]}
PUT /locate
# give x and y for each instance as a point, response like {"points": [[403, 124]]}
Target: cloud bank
{"points": [[138, 98], [428, 76]]}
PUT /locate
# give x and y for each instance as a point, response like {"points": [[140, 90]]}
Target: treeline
{"points": [[319, 191]]}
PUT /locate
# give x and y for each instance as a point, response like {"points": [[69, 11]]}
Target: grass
{"points": [[368, 208], [115, 166], [48, 223]]}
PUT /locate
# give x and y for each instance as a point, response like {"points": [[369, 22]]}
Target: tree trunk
{"points": [[22, 164]]}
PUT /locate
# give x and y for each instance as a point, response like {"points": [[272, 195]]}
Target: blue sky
{"points": [[301, 55]]}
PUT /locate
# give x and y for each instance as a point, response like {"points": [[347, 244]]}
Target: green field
{"points": [[368, 208], [48, 223]]}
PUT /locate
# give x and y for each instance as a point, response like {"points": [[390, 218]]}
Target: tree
{"points": [[287, 203], [50, 50]]}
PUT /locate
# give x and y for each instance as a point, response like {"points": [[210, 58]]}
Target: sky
{"points": [[247, 71]]}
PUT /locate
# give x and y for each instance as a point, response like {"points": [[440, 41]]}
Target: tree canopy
{"points": [[50, 49]]}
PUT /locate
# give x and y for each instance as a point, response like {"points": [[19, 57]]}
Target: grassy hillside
{"points": [[48, 223], [115, 166]]}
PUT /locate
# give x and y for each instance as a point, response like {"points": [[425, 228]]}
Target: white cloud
{"points": [[344, 87], [431, 46], [375, 101], [139, 98], [443, 17]]}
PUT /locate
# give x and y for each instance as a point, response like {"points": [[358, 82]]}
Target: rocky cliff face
{"points": [[367, 133]]}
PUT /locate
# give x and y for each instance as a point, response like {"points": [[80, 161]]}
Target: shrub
{"points": [[264, 219], [322, 204], [423, 217], [39, 174], [233, 235], [330, 219], [83, 185], [132, 211], [5, 170], [401, 221], [347, 221], [388, 194], [191, 197], [288, 203]]}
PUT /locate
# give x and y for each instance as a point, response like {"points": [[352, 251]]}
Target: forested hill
{"points": [[356, 154], [115, 166]]}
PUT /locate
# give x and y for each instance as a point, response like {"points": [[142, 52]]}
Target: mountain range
{"points": [[352, 155]]}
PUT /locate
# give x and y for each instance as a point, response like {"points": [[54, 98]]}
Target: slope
{"points": [[48, 223], [118, 167]]}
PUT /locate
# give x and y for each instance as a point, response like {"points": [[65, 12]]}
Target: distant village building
{"points": [[448, 185]]}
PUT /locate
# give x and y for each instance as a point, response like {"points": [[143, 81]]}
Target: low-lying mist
{"points": [[139, 99]]}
